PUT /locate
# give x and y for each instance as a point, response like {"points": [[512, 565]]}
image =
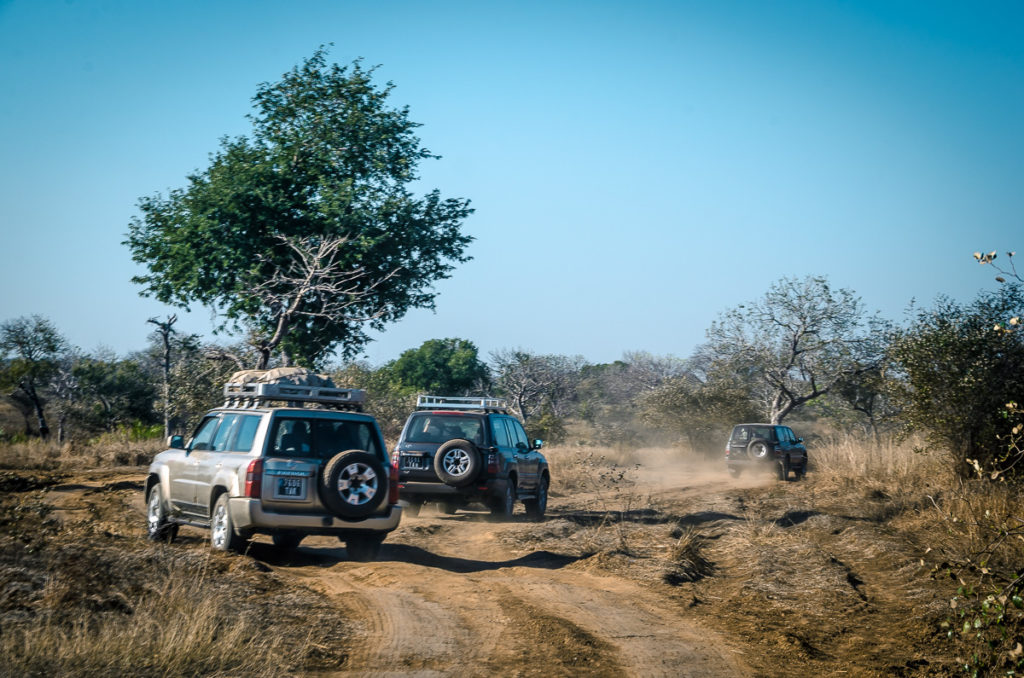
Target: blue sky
{"points": [[636, 168]]}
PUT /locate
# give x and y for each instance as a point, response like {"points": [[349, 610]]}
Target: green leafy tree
{"points": [[114, 393], [30, 349], [961, 365], [442, 366], [305, 234], [799, 341]]}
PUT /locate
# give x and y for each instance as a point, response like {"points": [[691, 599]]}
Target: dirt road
{"points": [[459, 595], [677, 572]]}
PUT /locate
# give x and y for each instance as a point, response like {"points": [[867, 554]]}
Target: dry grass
{"points": [[88, 597], [168, 631], [114, 449]]}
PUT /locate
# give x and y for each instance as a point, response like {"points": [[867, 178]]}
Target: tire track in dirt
{"points": [[425, 611]]}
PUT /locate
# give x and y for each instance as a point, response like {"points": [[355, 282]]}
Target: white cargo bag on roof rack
{"points": [[298, 376], [293, 385], [432, 402]]}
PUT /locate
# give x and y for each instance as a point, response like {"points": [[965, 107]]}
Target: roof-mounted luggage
{"points": [[460, 403], [293, 386]]}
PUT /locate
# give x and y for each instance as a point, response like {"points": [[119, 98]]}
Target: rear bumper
{"points": [[248, 515], [420, 491]]}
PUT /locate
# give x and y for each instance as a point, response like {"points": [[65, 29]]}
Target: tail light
{"points": [[254, 479], [492, 463], [393, 483]]}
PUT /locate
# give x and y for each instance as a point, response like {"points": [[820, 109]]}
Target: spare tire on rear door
{"points": [[353, 484], [457, 462]]}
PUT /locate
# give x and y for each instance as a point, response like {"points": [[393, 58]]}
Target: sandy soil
{"points": [[792, 584]]}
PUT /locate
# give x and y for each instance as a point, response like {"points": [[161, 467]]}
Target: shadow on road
{"points": [[403, 553]]}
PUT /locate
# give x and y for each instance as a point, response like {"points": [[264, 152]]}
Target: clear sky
{"points": [[636, 167]]}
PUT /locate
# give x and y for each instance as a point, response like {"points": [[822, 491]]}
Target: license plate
{"points": [[415, 463], [290, 488]]}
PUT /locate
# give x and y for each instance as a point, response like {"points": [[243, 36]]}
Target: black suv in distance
{"points": [[456, 451], [766, 446]]}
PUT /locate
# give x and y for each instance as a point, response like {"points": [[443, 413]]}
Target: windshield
{"points": [[440, 428], [321, 438]]}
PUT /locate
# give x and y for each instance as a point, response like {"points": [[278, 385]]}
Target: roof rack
{"points": [[431, 402], [252, 394]]}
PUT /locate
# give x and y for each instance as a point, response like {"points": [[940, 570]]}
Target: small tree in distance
{"points": [[30, 349]]}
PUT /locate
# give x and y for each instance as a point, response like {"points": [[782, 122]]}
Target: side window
{"points": [[519, 434], [204, 434], [501, 438], [792, 436], [227, 427], [245, 432]]}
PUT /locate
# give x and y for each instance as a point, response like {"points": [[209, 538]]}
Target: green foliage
{"points": [[30, 348], [386, 398], [305, 233], [698, 410], [960, 366], [114, 394], [443, 367]]}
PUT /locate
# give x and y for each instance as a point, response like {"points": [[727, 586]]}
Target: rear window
{"points": [[440, 428], [744, 434], [321, 438]]}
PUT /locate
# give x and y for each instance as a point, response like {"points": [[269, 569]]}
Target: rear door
{"points": [[232, 441]]}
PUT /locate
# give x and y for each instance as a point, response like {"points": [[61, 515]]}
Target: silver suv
{"points": [[280, 459]]}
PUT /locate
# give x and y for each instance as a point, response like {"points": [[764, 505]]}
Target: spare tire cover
{"points": [[353, 484], [457, 462]]}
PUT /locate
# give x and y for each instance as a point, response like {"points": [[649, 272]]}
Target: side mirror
{"points": [[176, 442], [538, 443], [799, 440]]}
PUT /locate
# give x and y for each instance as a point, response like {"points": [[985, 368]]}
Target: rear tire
{"points": [[364, 548], [412, 508], [783, 469], [535, 508], [735, 471], [448, 508], [286, 540], [504, 506]]}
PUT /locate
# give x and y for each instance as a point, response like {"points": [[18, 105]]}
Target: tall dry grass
{"points": [[112, 449], [169, 631]]}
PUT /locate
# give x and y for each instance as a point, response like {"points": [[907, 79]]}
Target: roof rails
{"points": [[251, 394], [431, 402]]}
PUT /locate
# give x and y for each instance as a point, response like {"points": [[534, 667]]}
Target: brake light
{"points": [[393, 483], [492, 463], [254, 479]]}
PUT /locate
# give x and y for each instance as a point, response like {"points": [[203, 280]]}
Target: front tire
{"points": [[158, 528], [364, 548], [222, 528]]}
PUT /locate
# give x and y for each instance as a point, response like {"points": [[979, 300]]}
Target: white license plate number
{"points": [[414, 463], [290, 488]]}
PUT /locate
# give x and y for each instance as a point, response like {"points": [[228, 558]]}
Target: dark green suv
{"points": [[766, 446], [456, 451]]}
